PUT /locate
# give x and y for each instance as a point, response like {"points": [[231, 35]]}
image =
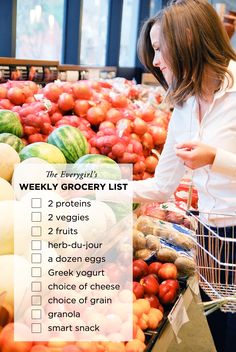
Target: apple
{"points": [[167, 293], [138, 290], [140, 269], [153, 300], [150, 284], [167, 271], [172, 283], [154, 267]]}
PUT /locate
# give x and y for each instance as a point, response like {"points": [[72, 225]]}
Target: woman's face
{"points": [[158, 60]]}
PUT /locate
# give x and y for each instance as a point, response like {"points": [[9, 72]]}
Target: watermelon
{"points": [[12, 140], [105, 167], [10, 122], [71, 141], [44, 151]]}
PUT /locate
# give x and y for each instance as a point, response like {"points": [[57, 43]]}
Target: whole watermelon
{"points": [[71, 141], [10, 122], [44, 151], [12, 140], [105, 167]]}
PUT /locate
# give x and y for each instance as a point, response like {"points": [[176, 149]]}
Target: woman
{"points": [[187, 49]]}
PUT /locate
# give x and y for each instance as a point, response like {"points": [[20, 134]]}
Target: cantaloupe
{"points": [[8, 159], [6, 190]]}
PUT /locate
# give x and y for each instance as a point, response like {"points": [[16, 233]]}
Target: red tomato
{"points": [[28, 130], [95, 115], [139, 167], [6, 104], [106, 124], [66, 102], [44, 117], [147, 114], [81, 90], [139, 126], [3, 92], [124, 127], [118, 149], [113, 115], [57, 116], [32, 120], [37, 137], [16, 96], [147, 141], [151, 163], [27, 92], [158, 134], [52, 91], [104, 105], [64, 121], [119, 101], [81, 107], [46, 128]]}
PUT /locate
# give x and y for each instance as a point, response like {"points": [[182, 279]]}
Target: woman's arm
{"points": [[196, 154]]}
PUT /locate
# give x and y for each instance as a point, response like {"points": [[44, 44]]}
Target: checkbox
{"points": [[36, 272], [36, 328], [36, 258], [36, 216], [36, 203], [36, 286], [36, 300], [36, 245], [36, 314], [36, 231]]}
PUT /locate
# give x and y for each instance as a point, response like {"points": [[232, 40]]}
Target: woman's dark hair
{"points": [[192, 37]]}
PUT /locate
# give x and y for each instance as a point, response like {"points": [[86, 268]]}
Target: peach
{"points": [[135, 346], [7, 342]]}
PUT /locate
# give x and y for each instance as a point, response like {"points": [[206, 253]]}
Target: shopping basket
{"points": [[216, 262]]}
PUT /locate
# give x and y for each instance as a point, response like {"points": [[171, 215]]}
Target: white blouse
{"points": [[216, 184]]}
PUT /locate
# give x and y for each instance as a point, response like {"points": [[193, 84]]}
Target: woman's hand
{"points": [[195, 154]]}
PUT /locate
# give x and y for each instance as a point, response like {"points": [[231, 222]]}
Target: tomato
{"points": [[118, 149], [64, 121], [104, 105], [6, 104], [57, 116], [44, 117], [106, 124], [124, 127], [81, 107], [151, 163], [27, 92], [66, 102], [119, 101], [95, 115], [16, 96], [52, 91], [147, 114], [147, 141], [28, 130], [139, 126], [37, 137], [32, 120], [81, 90], [158, 134], [113, 115], [139, 167], [3, 92], [46, 128]]}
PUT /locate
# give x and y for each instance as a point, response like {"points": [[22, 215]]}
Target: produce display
{"points": [[95, 122]]}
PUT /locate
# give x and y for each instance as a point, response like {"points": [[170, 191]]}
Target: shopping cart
{"points": [[216, 262]]}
